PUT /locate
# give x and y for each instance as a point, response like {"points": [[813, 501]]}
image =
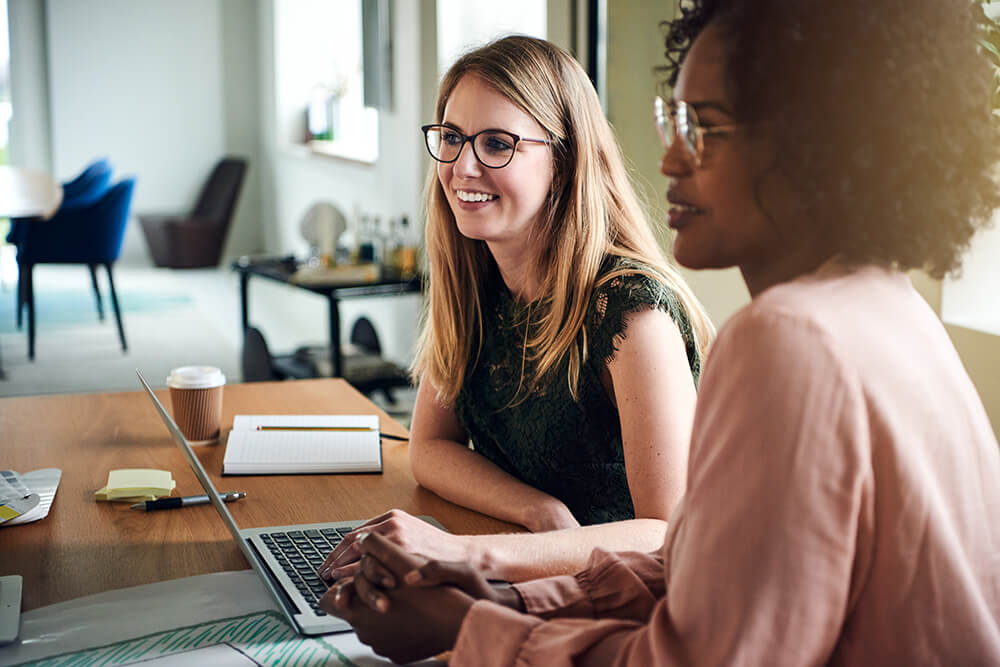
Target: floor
{"points": [[195, 320]]}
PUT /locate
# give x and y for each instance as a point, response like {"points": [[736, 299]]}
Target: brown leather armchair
{"points": [[196, 240]]}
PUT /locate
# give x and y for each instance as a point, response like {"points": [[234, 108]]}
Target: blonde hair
{"points": [[592, 212]]}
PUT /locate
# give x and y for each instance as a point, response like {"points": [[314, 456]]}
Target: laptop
{"points": [[285, 557]]}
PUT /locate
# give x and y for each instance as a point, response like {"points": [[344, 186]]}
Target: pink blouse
{"points": [[842, 506]]}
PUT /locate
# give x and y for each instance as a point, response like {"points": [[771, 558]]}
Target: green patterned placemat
{"points": [[264, 637]]}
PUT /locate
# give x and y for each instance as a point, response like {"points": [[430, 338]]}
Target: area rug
{"points": [[62, 306], [167, 320]]}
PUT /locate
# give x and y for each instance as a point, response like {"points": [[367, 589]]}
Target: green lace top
{"points": [[570, 449]]}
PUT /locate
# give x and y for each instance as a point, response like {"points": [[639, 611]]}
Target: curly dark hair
{"points": [[879, 113]]}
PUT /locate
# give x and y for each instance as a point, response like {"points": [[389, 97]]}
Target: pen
{"points": [[384, 436], [171, 503]]}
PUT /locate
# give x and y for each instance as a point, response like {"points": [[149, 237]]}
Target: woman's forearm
{"points": [[520, 557], [458, 474]]}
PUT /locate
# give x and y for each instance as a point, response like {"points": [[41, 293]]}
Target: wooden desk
{"points": [[84, 547]]}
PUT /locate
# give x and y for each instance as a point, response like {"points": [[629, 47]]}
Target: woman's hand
{"points": [[421, 622], [553, 515], [468, 580], [410, 533], [384, 566], [403, 623]]}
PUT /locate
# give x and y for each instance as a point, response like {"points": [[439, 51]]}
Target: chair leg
{"points": [[29, 301], [114, 304], [97, 291], [19, 296]]}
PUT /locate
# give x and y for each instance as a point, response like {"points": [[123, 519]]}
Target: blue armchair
{"points": [[82, 191], [90, 235]]}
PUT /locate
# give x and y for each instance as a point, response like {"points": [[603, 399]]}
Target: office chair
{"points": [[90, 235], [259, 365], [83, 190], [195, 240], [363, 365], [79, 192]]}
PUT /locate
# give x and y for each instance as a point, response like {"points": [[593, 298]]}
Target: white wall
{"points": [[635, 46], [970, 299], [241, 85], [128, 89], [157, 87], [164, 87], [30, 144], [389, 188]]}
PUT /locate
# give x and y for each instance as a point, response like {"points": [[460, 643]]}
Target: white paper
{"points": [[16, 499], [45, 483], [251, 422], [218, 655], [253, 451]]}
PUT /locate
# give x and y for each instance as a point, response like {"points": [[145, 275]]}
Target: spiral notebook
{"points": [[288, 444]]}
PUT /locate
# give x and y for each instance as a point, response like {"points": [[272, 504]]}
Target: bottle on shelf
{"points": [[407, 249], [392, 246], [378, 241], [353, 237], [366, 245]]}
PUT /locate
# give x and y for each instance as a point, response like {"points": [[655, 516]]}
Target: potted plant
{"points": [[990, 41]]}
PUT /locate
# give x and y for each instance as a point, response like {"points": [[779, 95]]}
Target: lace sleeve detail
{"points": [[615, 299]]}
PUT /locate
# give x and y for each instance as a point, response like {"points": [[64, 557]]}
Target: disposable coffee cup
{"points": [[196, 402]]}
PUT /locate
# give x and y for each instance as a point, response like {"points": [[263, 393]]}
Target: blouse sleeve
{"points": [[621, 295], [760, 561], [614, 585]]}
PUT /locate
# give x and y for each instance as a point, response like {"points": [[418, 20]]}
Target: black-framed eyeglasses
{"points": [[493, 148], [680, 121]]}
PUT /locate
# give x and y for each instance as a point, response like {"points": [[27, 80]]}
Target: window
{"points": [[319, 82], [971, 300], [466, 24]]}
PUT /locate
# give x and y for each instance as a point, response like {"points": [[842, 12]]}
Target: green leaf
{"points": [[989, 46]]}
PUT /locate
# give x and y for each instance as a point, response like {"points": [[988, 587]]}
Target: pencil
{"points": [[315, 428], [385, 436]]}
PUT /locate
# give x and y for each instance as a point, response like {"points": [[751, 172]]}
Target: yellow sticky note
{"points": [[102, 494], [133, 482]]}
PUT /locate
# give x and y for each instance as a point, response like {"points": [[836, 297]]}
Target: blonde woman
{"points": [[557, 338]]}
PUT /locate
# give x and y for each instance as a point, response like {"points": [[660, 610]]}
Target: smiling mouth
{"points": [[679, 214], [681, 209], [472, 197]]}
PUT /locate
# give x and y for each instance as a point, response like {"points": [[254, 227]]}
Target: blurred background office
{"points": [[323, 99]]}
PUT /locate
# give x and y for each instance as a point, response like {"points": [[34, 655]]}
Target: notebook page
{"points": [[241, 422], [262, 452]]}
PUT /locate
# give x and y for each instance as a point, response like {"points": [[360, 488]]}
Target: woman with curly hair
{"points": [[844, 481], [557, 337]]}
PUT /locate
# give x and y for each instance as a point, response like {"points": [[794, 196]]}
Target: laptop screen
{"points": [[196, 466]]}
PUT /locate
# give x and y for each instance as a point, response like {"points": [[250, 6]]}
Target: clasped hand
{"points": [[412, 534], [407, 607]]}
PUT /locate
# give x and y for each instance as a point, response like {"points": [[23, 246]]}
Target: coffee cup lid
{"points": [[195, 377]]}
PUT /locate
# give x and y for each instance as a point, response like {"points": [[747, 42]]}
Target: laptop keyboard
{"points": [[300, 553]]}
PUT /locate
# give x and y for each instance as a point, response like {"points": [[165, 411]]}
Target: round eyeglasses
{"points": [[493, 148], [680, 121]]}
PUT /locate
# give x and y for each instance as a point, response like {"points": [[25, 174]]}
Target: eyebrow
{"points": [[488, 129], [708, 104]]}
